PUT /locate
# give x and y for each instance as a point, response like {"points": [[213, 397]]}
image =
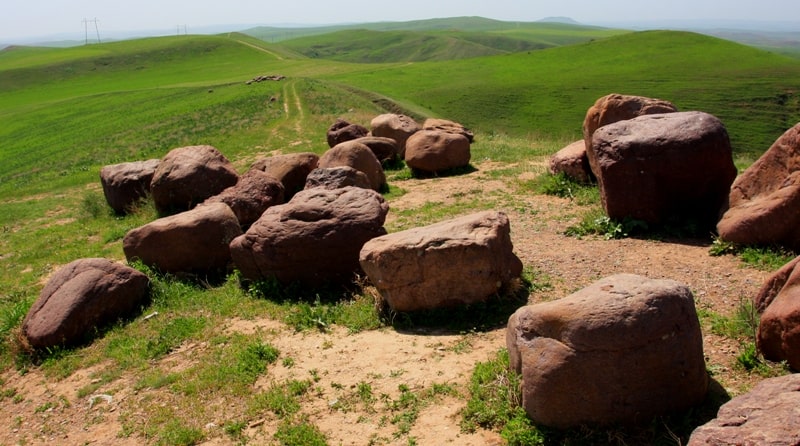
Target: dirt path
{"points": [[263, 50]]}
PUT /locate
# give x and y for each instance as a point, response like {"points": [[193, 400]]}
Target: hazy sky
{"points": [[21, 19]]}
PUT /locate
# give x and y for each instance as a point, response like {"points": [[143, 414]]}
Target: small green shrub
{"points": [[176, 433], [561, 185], [252, 361], [299, 433], [597, 223], [766, 258]]}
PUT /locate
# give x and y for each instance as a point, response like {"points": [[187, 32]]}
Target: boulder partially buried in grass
{"points": [[125, 184], [82, 295]]}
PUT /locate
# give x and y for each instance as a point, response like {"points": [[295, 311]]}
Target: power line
{"points": [[86, 30]]}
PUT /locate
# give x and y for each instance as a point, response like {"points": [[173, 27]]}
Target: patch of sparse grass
{"points": [[765, 258], [299, 433], [596, 222], [282, 399], [560, 185], [178, 433]]}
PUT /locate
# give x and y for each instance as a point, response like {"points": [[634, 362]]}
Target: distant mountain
{"points": [[565, 20]]}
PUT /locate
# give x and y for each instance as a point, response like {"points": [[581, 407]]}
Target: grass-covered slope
{"points": [[754, 92]]}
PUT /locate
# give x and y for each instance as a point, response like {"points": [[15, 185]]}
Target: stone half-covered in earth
{"points": [[673, 166], [764, 201], [766, 415], [623, 350], [194, 241], [315, 238], [456, 262], [187, 176], [82, 295], [125, 184], [572, 162], [436, 150], [778, 301]]}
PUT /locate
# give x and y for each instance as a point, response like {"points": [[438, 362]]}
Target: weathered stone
{"points": [[655, 167], [126, 183], [778, 336], [358, 156], [435, 151], [623, 350], [448, 126], [385, 149], [766, 415], [341, 131], [617, 107], [82, 295], [251, 196], [291, 170], [456, 262], [194, 241], [397, 127], [764, 201], [187, 176], [315, 238], [572, 162], [337, 177]]}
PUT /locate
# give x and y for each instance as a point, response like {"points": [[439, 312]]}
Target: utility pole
{"points": [[86, 30]]}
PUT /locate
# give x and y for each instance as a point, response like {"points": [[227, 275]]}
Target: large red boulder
{"points": [[358, 156], [623, 350], [315, 238], [341, 131], [456, 262], [251, 196], [662, 167], [764, 201], [291, 170], [81, 296], [778, 336], [397, 127], [194, 241], [187, 176], [435, 151], [126, 184]]}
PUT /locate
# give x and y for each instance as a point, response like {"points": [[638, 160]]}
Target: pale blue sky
{"points": [[20, 19]]}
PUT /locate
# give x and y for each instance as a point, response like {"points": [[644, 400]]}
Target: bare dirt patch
{"points": [[48, 411]]}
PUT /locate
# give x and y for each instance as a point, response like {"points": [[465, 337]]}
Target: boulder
{"points": [[291, 170], [766, 415], [456, 262], [126, 183], [358, 156], [763, 201], [778, 336], [435, 151], [385, 149], [187, 176], [315, 238], [337, 177], [341, 131], [656, 167], [448, 126], [251, 196], [82, 295], [572, 162], [617, 107], [623, 350], [397, 127], [194, 241]]}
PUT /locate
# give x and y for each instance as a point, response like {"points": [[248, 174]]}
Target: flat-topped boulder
{"points": [[187, 176], [446, 125], [194, 241], [456, 262], [315, 238], [763, 201], [83, 295], [125, 184], [435, 151], [673, 166], [622, 350]]}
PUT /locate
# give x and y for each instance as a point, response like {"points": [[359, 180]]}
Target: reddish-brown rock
{"points": [[290, 169], [668, 166], [82, 295], [764, 201], [778, 336], [337, 177], [341, 131], [766, 415], [126, 183], [618, 107], [314, 239], [385, 149], [358, 156], [194, 241], [448, 126], [456, 262], [623, 350], [572, 162], [187, 176], [435, 151], [397, 127], [251, 196]]}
